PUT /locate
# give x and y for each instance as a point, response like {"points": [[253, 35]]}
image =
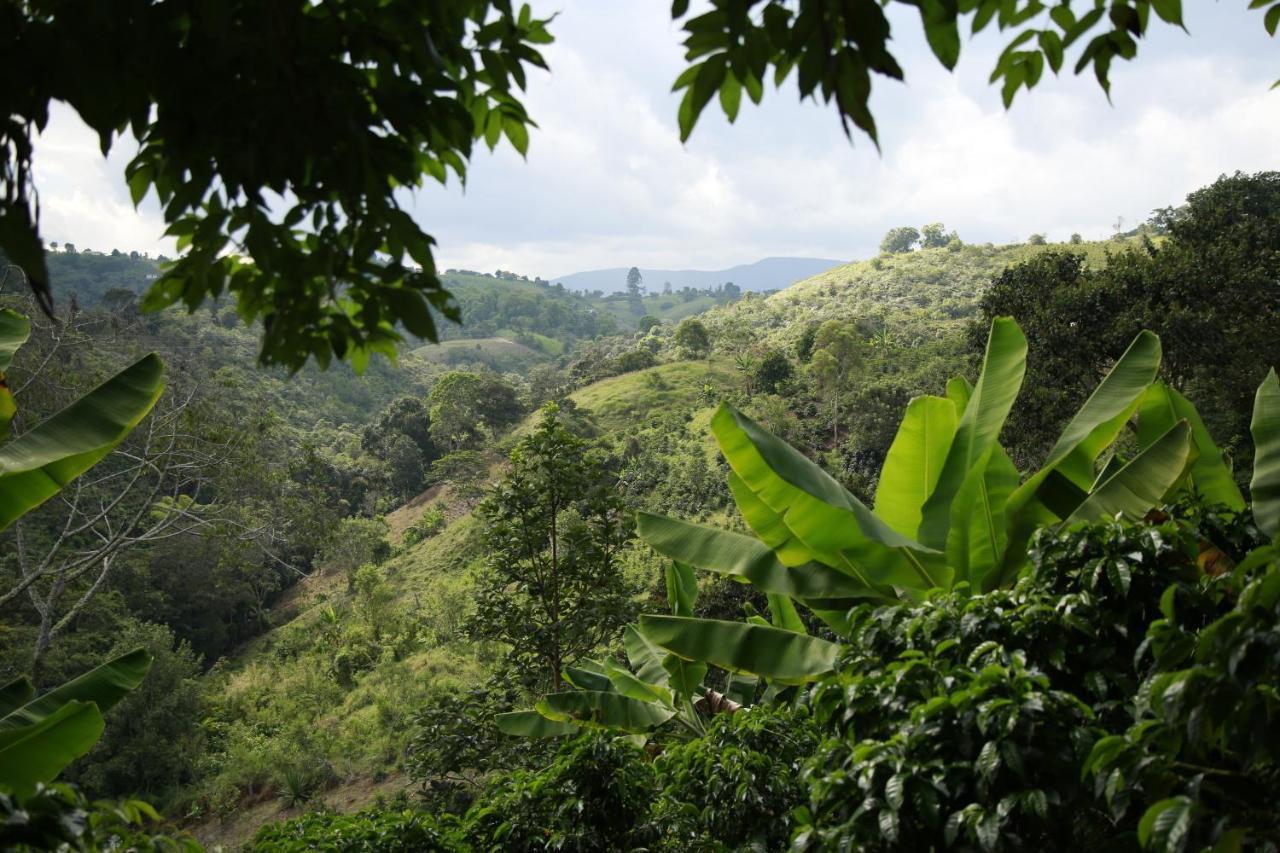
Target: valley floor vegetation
{"points": [[960, 547]]}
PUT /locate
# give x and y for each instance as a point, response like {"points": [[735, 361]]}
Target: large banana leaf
{"points": [[598, 709], [41, 462], [14, 331], [682, 588], [1265, 427], [623, 681], [1161, 408], [737, 555], [644, 656], [589, 676], [958, 392], [770, 527], [1054, 491], [979, 532], [532, 724], [774, 653], [828, 520], [976, 432], [39, 752], [1144, 482], [914, 462], [104, 686], [783, 614]]}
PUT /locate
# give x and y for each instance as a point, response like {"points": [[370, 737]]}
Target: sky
{"points": [[607, 182]]}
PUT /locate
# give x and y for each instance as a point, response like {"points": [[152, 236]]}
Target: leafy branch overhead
{"points": [[834, 48], [277, 138]]}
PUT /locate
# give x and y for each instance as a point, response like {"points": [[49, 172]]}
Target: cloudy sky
{"points": [[607, 182]]}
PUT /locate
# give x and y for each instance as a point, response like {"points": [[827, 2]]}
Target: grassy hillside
{"points": [[667, 307], [501, 354]]}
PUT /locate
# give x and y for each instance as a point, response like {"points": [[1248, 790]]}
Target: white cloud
{"points": [[607, 182]]}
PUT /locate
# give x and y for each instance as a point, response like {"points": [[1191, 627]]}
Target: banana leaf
{"points": [[830, 522], [979, 531], [1210, 474], [104, 686], [644, 656], [532, 724], [914, 462], [603, 710], [1145, 482], [721, 551], [1264, 488], [41, 462], [772, 653], [15, 694], [1053, 492], [37, 753], [1003, 368]]}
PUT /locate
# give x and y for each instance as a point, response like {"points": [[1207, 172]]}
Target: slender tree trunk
{"points": [[557, 662]]}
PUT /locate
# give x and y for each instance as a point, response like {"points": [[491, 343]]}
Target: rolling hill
{"points": [[765, 274]]}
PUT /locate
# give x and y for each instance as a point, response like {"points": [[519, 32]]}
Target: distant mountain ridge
{"points": [[764, 274]]}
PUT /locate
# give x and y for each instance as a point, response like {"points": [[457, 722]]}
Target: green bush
{"points": [[596, 795], [60, 817], [367, 832], [428, 524], [736, 787], [967, 722]]}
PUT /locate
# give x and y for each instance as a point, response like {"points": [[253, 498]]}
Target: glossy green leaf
{"points": [[644, 656], [1003, 368], [625, 682], [104, 686], [958, 392], [684, 676], [603, 710], [682, 589], [782, 613], [589, 675], [769, 526], [772, 653], [1143, 483], [532, 724], [1056, 489], [914, 462], [831, 523], [737, 555], [14, 331], [37, 753], [978, 536], [38, 464], [1264, 488], [1211, 476]]}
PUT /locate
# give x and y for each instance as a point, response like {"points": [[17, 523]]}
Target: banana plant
{"points": [[664, 683], [43, 460], [41, 735], [950, 507]]}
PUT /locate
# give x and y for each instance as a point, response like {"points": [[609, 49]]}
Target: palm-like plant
{"points": [[951, 509], [39, 736]]}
